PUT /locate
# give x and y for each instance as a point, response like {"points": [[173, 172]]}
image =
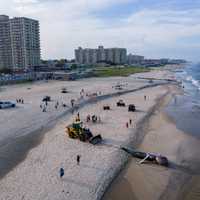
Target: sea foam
{"points": [[194, 82]]}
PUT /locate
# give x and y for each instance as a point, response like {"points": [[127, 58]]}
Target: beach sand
{"points": [[36, 175]]}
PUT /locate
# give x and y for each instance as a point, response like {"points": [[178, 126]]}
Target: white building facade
{"points": [[5, 43], [94, 56], [24, 37]]}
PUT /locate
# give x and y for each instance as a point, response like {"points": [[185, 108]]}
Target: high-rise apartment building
{"points": [[93, 56], [24, 38], [79, 55], [101, 54], [5, 43]]}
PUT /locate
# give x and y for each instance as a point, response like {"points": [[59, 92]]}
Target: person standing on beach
{"points": [[78, 157], [62, 172], [72, 102], [44, 109], [145, 97], [88, 118]]}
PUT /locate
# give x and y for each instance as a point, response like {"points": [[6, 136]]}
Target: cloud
{"points": [[67, 24]]}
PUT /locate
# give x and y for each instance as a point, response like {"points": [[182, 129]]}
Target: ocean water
{"points": [[185, 109], [191, 80]]}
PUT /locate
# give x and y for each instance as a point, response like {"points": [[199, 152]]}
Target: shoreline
{"points": [[179, 181], [120, 187]]}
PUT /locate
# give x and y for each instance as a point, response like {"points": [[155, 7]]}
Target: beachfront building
{"points": [[19, 42], [135, 59], [5, 43], [25, 39], [94, 56]]}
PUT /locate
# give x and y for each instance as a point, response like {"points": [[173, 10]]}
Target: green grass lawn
{"points": [[118, 71]]}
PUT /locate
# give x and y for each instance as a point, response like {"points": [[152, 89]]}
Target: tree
{"points": [[5, 71], [74, 66], [62, 61]]}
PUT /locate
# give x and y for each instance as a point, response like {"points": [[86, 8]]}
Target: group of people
{"points": [[93, 118], [44, 105], [21, 100], [129, 123], [56, 105]]}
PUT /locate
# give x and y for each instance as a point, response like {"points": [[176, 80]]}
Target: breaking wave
{"points": [[194, 82]]}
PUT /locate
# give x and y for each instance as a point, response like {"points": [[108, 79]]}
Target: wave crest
{"points": [[194, 82]]}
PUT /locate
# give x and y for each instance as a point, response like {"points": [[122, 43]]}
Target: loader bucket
{"points": [[96, 139]]}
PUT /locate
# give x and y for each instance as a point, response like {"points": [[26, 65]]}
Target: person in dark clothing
{"points": [[78, 159], [44, 109], [130, 121], [72, 102], [62, 172], [88, 118]]}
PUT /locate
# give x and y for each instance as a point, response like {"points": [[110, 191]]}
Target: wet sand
{"points": [[147, 181]]}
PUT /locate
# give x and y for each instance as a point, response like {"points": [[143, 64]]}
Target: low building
{"points": [[134, 59]]}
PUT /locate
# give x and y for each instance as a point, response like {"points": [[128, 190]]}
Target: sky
{"points": [[153, 28]]}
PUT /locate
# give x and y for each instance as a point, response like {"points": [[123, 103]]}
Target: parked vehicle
{"points": [[121, 103], [131, 108], [64, 90], [106, 107], [6, 104]]}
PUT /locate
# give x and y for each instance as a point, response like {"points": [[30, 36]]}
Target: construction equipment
{"points": [[76, 131], [121, 103], [118, 87], [131, 108]]}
